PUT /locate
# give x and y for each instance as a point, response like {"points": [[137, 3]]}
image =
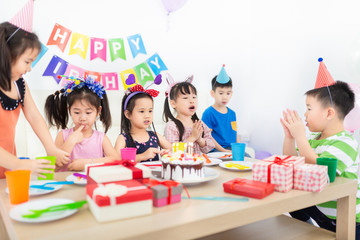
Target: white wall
{"points": [[270, 49]]}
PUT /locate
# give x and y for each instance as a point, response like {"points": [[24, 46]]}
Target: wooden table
{"points": [[188, 219]]}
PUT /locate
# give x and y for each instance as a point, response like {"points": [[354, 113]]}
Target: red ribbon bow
{"points": [[168, 183], [136, 172], [237, 181], [278, 161], [139, 88]]}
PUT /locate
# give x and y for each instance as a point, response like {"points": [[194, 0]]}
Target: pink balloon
{"points": [[173, 5], [355, 87], [352, 120]]}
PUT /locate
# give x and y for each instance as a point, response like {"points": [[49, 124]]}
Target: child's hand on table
{"points": [[149, 154], [78, 164]]}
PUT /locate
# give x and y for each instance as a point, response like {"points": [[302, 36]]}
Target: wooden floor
{"points": [[274, 229]]}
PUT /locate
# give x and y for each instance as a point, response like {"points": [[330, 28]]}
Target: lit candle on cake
{"points": [[191, 148], [174, 147], [185, 150]]}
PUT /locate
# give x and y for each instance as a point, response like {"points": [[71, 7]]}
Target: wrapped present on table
{"points": [[164, 192], [117, 171], [118, 200], [278, 170], [248, 188], [310, 177]]}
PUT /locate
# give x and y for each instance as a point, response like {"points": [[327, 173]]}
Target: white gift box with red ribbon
{"points": [[278, 170], [118, 200], [310, 177]]}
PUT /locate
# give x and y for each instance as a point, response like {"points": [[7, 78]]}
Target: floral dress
{"points": [[142, 147]]}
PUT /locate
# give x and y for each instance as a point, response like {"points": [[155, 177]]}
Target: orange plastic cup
{"points": [[18, 182]]}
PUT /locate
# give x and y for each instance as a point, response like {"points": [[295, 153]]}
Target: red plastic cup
{"points": [[128, 153], [18, 182]]}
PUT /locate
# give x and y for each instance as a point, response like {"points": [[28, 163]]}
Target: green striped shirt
{"points": [[345, 149]]}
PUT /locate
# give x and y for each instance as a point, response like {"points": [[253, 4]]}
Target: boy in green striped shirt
{"points": [[326, 110]]}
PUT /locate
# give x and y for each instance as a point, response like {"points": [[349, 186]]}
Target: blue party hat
{"points": [[222, 77]]}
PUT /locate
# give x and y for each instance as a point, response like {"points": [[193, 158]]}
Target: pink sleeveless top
{"points": [[89, 148]]}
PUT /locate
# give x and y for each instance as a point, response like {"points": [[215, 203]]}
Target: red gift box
{"points": [[248, 188], [135, 192]]}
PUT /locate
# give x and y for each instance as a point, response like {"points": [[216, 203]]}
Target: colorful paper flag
{"points": [[79, 44], [117, 49], [156, 64], [59, 36], [143, 73], [98, 48], [110, 81], [124, 74], [93, 75], [74, 71], [41, 54], [57, 66], [136, 45]]}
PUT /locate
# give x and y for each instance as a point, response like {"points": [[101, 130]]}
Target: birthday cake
{"points": [[182, 165]]}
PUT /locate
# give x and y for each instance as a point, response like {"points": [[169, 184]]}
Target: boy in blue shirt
{"points": [[218, 117]]}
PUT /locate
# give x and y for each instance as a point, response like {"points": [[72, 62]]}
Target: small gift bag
{"points": [[310, 177], [278, 170], [248, 188], [164, 192], [118, 200]]}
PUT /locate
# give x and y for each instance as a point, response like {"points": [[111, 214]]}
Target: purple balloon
{"points": [[130, 79], [173, 5], [158, 79]]}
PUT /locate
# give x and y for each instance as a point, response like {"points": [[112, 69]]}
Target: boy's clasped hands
{"points": [[293, 125]]}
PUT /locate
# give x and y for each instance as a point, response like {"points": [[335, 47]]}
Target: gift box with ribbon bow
{"points": [[278, 170], [117, 171], [248, 188], [310, 177], [118, 200], [164, 192]]}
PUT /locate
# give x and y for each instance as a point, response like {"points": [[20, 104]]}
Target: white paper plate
{"points": [[219, 155], [151, 163], [248, 164], [37, 191], [77, 180], [17, 211], [210, 174], [214, 162]]}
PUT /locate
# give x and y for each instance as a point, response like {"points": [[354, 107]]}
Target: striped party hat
{"points": [[24, 18], [323, 78]]}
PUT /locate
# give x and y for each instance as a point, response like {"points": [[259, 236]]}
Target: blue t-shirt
{"points": [[224, 129], [142, 147]]}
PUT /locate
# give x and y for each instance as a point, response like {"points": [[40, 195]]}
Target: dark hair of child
{"points": [[57, 105], [12, 46], [179, 88], [125, 122], [342, 96], [215, 84]]}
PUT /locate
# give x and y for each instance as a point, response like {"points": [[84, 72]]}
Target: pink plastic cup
{"points": [[128, 153]]}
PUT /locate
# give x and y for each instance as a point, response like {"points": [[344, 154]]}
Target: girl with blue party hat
{"points": [[136, 118], [84, 100]]}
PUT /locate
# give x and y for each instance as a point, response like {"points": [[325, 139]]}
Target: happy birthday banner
{"points": [[143, 72], [60, 36], [79, 44]]}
